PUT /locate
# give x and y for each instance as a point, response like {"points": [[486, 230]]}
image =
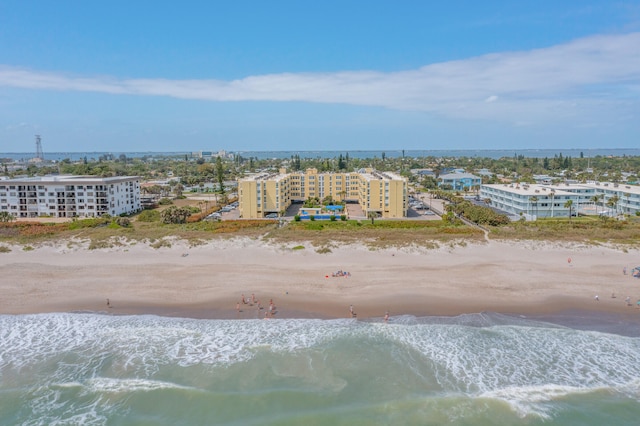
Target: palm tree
{"points": [[6, 217], [627, 195], [613, 203], [569, 205], [534, 200], [178, 188], [595, 200], [372, 215]]}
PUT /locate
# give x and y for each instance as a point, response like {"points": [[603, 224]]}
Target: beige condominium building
{"points": [[384, 193]]}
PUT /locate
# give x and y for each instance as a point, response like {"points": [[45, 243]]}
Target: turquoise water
{"points": [[483, 369]]}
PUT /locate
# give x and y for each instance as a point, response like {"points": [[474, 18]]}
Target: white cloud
{"points": [[528, 84], [20, 126]]}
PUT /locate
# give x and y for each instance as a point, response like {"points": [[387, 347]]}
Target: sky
{"points": [[125, 76]]}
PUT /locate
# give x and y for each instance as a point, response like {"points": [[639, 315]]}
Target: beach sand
{"points": [[207, 281]]}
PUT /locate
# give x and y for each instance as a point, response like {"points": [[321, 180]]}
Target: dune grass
{"points": [[322, 235], [584, 229]]}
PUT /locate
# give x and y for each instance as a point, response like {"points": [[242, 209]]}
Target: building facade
{"points": [[539, 201], [459, 181], [384, 193], [70, 196]]}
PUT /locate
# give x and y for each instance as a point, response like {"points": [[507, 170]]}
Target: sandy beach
{"points": [[208, 281]]}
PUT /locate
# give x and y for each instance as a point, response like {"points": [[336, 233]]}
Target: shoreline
{"points": [[512, 278]]}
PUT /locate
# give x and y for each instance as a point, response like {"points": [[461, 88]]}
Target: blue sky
{"points": [[335, 75]]}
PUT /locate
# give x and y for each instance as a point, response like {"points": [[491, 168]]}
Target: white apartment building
{"points": [[539, 201], [70, 196]]}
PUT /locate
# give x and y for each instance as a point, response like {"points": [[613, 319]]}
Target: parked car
{"points": [[272, 216], [214, 216]]}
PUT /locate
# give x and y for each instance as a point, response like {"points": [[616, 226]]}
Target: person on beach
{"points": [[253, 298], [624, 271], [353, 314], [108, 303], [596, 298], [386, 316], [238, 306], [628, 300]]}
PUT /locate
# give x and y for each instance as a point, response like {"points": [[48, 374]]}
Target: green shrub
{"points": [[332, 218], [312, 218], [175, 215], [297, 218], [343, 217], [89, 223], [149, 216], [123, 221], [165, 202]]}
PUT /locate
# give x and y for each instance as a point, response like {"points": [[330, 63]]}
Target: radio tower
{"points": [[39, 153]]}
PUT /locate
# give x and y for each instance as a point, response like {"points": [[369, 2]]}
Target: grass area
{"points": [[381, 234], [582, 229], [104, 234]]}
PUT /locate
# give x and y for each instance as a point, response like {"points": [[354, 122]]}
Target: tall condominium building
{"points": [[384, 193], [70, 196]]}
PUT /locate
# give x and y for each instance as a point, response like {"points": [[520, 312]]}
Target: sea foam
{"points": [[525, 364]]}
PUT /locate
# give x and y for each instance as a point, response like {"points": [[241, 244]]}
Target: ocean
{"points": [[391, 153], [481, 369]]}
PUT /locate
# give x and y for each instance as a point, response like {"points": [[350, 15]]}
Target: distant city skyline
{"points": [[289, 75]]}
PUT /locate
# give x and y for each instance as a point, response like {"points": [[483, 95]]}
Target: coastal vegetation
{"points": [[109, 232], [585, 229]]}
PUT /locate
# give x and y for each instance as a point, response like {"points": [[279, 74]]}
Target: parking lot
{"points": [[353, 210], [228, 212]]}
